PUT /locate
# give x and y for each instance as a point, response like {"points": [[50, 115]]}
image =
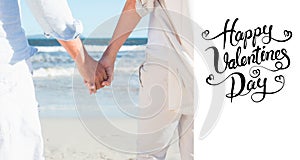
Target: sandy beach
{"points": [[68, 139], [65, 136]]}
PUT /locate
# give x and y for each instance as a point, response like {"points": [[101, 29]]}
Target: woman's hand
{"points": [[107, 61], [126, 24], [92, 72]]}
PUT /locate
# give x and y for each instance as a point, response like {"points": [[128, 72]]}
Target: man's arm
{"points": [[55, 18], [126, 24]]}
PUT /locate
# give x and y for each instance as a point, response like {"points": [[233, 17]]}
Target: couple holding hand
{"points": [[168, 64]]}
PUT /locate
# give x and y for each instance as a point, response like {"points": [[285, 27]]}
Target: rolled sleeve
{"points": [[143, 7], [55, 18]]}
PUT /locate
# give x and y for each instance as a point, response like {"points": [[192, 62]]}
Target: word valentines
{"points": [[254, 42]]}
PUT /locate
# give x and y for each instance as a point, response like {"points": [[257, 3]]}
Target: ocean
{"points": [[54, 71]]}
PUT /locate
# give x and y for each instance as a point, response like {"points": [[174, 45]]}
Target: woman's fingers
{"points": [[102, 72], [110, 76], [98, 85], [100, 76]]}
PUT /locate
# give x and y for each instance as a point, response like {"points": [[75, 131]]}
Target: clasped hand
{"points": [[96, 74]]}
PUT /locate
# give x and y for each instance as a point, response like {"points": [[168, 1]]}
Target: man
{"points": [[166, 94], [20, 131]]}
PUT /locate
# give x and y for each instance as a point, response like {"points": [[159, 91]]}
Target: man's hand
{"points": [[104, 73], [92, 72]]}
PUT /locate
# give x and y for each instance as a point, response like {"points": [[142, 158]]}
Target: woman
{"points": [[166, 75]]}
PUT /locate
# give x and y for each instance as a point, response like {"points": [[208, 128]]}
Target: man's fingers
{"points": [[103, 77], [91, 87], [86, 83]]}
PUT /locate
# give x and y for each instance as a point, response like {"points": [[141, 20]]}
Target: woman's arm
{"points": [[126, 24]]}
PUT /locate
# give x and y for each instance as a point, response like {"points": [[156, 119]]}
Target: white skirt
{"points": [[161, 74], [20, 130], [165, 105]]}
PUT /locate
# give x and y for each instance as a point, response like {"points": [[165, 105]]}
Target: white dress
{"points": [[166, 93]]}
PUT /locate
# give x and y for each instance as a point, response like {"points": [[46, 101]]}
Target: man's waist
{"points": [[10, 56]]}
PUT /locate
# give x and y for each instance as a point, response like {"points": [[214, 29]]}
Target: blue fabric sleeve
{"points": [[55, 18]]}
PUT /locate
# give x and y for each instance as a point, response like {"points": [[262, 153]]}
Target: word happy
{"points": [[257, 85]]}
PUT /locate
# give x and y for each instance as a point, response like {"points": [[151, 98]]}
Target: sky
{"points": [[92, 13]]}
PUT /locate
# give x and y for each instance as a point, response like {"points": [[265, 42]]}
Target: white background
{"points": [[269, 130]]}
